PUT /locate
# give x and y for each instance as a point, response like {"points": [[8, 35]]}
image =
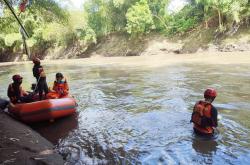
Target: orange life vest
{"points": [[60, 90], [23, 5], [202, 116]]}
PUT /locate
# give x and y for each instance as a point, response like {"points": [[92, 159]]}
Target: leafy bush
{"points": [[2, 40], [139, 18], [12, 38], [87, 35], [184, 20]]}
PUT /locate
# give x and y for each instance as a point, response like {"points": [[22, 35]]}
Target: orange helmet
{"points": [[36, 60], [210, 93]]}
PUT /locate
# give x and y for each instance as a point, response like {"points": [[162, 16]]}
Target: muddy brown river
{"points": [[137, 110]]}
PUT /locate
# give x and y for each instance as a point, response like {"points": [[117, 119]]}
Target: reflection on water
{"points": [[205, 147], [60, 128], [140, 115]]}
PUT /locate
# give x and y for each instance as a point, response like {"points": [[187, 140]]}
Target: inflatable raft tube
{"points": [[44, 110]]}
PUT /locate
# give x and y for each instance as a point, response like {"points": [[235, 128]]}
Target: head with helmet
{"points": [[36, 61], [59, 77], [210, 94], [17, 79]]}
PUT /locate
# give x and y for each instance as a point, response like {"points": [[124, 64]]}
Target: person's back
{"points": [[15, 91], [38, 71], [39, 74], [204, 116]]}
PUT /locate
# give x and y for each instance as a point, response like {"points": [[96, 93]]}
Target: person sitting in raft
{"points": [[60, 88], [39, 74], [204, 116], [15, 92]]}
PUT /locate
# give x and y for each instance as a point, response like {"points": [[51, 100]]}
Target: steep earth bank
{"points": [[119, 44]]}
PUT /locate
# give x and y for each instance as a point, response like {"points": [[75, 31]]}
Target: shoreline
{"points": [[20, 144], [154, 60]]}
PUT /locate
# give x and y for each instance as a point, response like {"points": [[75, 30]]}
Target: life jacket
{"points": [[38, 72], [15, 95], [53, 95], [41, 72], [202, 117], [23, 5], [61, 87]]}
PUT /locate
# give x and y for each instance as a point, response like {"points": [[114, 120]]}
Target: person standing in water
{"points": [[39, 74], [204, 116]]}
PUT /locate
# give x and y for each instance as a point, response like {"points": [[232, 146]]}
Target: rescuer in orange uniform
{"points": [[204, 116], [60, 88], [15, 92]]}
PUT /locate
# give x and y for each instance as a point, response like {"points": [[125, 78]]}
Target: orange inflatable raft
{"points": [[44, 110]]}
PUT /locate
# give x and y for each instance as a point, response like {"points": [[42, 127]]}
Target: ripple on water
{"points": [[139, 115]]}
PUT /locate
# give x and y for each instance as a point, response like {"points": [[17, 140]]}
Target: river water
{"points": [[130, 114]]}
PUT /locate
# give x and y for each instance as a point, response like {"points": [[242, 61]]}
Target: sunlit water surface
{"points": [[140, 115]]}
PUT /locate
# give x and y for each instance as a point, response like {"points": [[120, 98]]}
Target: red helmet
{"points": [[36, 60], [210, 93], [17, 77]]}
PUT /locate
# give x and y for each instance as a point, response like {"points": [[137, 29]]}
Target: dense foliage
{"points": [[50, 25]]}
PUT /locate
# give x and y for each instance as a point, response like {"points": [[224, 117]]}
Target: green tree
{"points": [[35, 18], [231, 8], [139, 18], [158, 10], [187, 18], [97, 14]]}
